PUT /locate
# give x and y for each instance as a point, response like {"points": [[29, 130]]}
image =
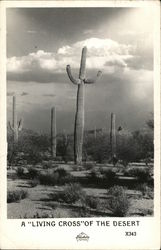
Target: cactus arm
{"points": [[20, 123], [10, 126], [73, 80], [91, 81]]}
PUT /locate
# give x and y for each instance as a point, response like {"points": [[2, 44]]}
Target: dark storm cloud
{"points": [[127, 93], [51, 28]]}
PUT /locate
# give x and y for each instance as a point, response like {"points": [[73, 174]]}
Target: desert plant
{"points": [[62, 172], [53, 132], [56, 177], [16, 126], [72, 192], [49, 164], [48, 178], [109, 176], [146, 212], [64, 147], [16, 195], [33, 183], [89, 165], [79, 116], [20, 172], [143, 175], [94, 176], [91, 202], [146, 191], [118, 202], [96, 149], [113, 138], [63, 176], [33, 173]]}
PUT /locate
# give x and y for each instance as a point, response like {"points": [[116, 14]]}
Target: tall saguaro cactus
{"points": [[113, 136], [53, 131], [79, 116], [16, 126]]}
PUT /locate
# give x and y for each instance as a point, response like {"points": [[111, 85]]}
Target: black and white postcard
{"points": [[80, 125]]}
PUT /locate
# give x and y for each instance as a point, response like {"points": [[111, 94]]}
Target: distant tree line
{"points": [[33, 147]]}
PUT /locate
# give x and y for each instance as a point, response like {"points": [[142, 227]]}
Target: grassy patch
{"points": [[91, 202], [33, 173], [142, 175], [118, 202], [57, 177], [70, 194], [16, 195], [34, 183], [20, 172], [146, 191]]}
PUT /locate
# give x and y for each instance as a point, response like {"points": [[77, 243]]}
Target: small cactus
{"points": [[53, 131], [79, 116], [16, 126]]}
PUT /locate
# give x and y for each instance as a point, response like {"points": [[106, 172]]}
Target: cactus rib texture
{"points": [[79, 115]]}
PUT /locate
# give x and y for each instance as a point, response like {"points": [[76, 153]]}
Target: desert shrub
{"points": [[48, 178], [33, 156], [49, 164], [91, 202], [44, 215], [72, 192], [63, 176], [62, 172], [33, 173], [58, 177], [145, 190], [65, 147], [96, 148], [34, 182], [93, 176], [82, 212], [20, 171], [118, 202], [143, 175], [16, 195], [109, 176], [146, 212], [89, 165]]}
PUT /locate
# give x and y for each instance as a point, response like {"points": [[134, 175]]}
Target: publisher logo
{"points": [[82, 237]]}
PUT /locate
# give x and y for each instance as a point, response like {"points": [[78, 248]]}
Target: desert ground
{"points": [[91, 190]]}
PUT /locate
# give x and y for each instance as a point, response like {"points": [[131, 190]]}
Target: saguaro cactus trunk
{"points": [[16, 126], [53, 131], [113, 136], [79, 116]]}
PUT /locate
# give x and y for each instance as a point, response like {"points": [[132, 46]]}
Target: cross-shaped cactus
{"points": [[16, 126], [79, 116]]}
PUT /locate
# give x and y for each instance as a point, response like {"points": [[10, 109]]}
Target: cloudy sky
{"points": [[42, 41]]}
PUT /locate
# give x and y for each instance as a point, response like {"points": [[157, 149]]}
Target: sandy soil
{"points": [[39, 203]]}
